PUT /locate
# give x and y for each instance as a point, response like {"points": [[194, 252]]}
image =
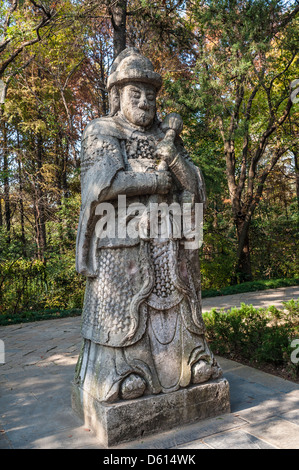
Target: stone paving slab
{"points": [[235, 439], [257, 299], [36, 413], [276, 431], [186, 434], [275, 406], [257, 376]]}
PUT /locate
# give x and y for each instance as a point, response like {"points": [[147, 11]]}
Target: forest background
{"points": [[230, 68]]}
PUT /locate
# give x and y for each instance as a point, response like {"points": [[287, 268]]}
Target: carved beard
{"points": [[141, 117], [144, 117]]}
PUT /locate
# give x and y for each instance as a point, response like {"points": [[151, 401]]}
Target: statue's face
{"points": [[138, 103]]}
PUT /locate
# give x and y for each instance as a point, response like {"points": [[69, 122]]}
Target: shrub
{"points": [[260, 336]]}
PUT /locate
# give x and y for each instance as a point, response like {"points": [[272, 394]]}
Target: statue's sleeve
{"points": [[101, 160]]}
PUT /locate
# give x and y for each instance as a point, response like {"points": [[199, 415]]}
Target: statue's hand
{"points": [[166, 149], [163, 182]]}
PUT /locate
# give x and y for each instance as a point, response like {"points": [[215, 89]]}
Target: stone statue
{"points": [[141, 323]]}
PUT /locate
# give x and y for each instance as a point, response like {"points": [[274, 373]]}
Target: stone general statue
{"points": [[141, 323]]}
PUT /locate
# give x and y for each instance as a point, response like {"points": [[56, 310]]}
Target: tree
{"points": [[118, 13], [246, 57]]}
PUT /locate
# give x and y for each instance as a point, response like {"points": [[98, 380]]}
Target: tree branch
{"points": [[286, 19], [12, 75], [272, 126], [47, 18]]}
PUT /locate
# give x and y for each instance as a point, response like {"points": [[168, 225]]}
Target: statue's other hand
{"points": [[164, 181]]}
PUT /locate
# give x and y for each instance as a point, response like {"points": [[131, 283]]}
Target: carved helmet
{"points": [[131, 66]]}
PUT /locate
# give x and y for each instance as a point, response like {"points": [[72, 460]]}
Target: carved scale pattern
{"points": [[160, 254], [109, 295]]}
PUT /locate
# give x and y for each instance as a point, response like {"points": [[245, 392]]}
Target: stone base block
{"points": [[132, 419]]}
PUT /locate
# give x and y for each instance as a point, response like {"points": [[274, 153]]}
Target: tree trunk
{"points": [[104, 110], [23, 237], [59, 150], [40, 208], [1, 197], [243, 271], [242, 218], [1, 216], [118, 12], [296, 160], [64, 175], [7, 211]]}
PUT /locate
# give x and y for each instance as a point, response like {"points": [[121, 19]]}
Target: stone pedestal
{"points": [[127, 420]]}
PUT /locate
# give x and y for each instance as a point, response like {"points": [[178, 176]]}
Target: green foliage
{"points": [[256, 335], [64, 288], [217, 270], [274, 239], [35, 285], [32, 315]]}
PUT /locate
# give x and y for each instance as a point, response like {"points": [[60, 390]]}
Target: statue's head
{"points": [[133, 85]]}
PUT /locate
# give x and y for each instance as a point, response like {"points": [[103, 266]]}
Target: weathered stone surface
{"points": [[137, 244], [131, 419]]}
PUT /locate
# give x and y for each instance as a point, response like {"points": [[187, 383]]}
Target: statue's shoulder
{"points": [[100, 142], [102, 127]]}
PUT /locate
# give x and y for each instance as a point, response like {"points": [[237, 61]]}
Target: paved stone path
{"points": [[257, 299], [36, 413]]}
